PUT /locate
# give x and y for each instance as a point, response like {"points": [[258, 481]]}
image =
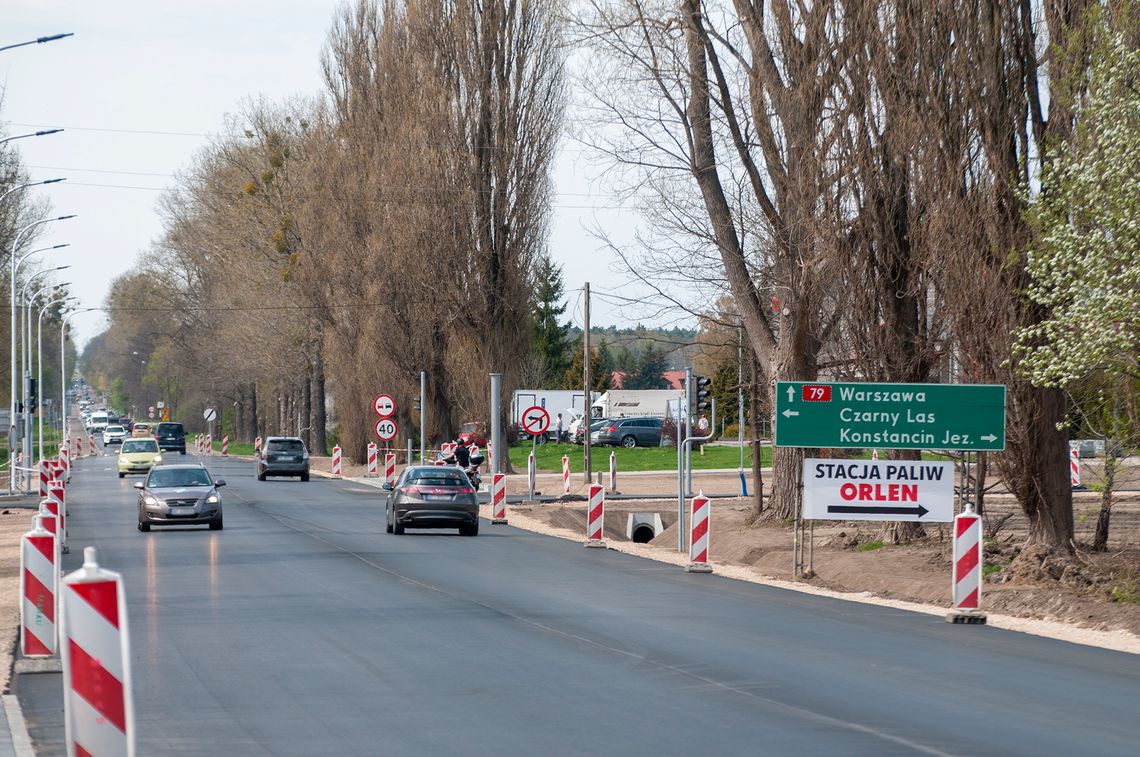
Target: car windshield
{"points": [[438, 478], [170, 477], [169, 428], [114, 429], [292, 446], [140, 445]]}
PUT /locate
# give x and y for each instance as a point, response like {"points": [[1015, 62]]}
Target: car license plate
{"points": [[182, 511], [437, 497]]}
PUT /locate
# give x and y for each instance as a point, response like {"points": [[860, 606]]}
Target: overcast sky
{"points": [[142, 85]]}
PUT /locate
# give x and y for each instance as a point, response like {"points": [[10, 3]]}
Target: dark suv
{"points": [[629, 432], [283, 456], [171, 437]]}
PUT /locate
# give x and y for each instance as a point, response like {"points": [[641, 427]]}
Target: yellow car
{"points": [[138, 456]]}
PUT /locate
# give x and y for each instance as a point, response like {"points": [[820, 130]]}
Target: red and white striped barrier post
{"points": [[595, 516], [65, 458], [390, 467], [225, 445], [58, 505], [613, 472], [93, 448], [98, 703], [490, 456], [531, 472], [336, 461], [700, 512], [498, 498], [874, 454], [48, 509], [1074, 468], [565, 474], [372, 463], [257, 446], [967, 580], [39, 585], [208, 444]]}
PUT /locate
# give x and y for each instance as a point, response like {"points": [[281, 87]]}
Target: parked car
{"points": [[179, 495], [283, 456], [114, 434], [473, 432], [432, 496], [629, 432], [171, 436], [138, 456], [579, 434]]}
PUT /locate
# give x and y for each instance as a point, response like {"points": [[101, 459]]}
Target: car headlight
{"points": [[212, 499], [158, 458], [148, 500]]}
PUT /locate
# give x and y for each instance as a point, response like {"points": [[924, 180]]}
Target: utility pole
{"points": [[586, 381]]}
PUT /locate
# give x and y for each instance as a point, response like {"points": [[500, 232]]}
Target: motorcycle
{"points": [[472, 470]]}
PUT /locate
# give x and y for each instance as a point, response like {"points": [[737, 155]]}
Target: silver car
{"points": [[180, 495], [283, 456], [432, 496]]}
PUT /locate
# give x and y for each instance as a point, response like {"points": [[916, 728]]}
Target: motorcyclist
{"points": [[462, 454]]}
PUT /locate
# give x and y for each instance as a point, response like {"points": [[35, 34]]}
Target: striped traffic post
{"points": [[699, 516], [498, 498], [43, 468], [51, 520], [336, 461], [65, 458], [596, 516], [531, 471], [93, 448], [613, 472], [967, 569], [565, 474], [208, 444], [257, 446], [373, 465], [39, 586], [390, 467], [1074, 468], [98, 704], [225, 445], [58, 506]]}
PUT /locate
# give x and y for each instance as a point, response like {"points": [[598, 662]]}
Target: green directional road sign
{"points": [[890, 416]]}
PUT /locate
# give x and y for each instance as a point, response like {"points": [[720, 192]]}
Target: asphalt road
{"points": [[304, 629]]}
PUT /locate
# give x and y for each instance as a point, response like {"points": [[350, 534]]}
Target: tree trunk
{"points": [[320, 417], [754, 422], [306, 411], [254, 415], [1100, 539]]}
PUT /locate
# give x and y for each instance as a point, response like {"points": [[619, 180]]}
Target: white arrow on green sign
{"points": [[890, 416]]}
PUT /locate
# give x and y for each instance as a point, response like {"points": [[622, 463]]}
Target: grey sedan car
{"points": [[432, 496], [283, 456], [180, 495], [629, 432]]}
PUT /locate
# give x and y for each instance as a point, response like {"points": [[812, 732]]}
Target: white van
{"points": [[98, 422]]}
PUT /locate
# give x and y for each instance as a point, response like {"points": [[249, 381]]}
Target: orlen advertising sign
{"points": [[879, 490]]}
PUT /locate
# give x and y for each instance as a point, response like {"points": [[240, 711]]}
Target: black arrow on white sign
{"points": [[877, 510]]}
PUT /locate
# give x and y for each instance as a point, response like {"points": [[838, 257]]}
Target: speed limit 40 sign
{"points": [[386, 429]]}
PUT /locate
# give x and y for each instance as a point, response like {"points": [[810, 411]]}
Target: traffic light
{"points": [[702, 394], [32, 395]]}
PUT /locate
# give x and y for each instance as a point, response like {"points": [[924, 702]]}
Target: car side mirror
{"points": [[220, 482], [386, 487], [138, 484]]}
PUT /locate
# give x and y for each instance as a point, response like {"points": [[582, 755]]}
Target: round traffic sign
{"points": [[535, 420], [384, 405], [386, 429], [210, 414]]}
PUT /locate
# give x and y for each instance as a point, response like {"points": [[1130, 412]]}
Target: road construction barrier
{"points": [[65, 459], [93, 448], [613, 472], [874, 454], [490, 457], [43, 468], [595, 516], [565, 474], [336, 461], [51, 520], [257, 446], [58, 507], [373, 469], [225, 445], [39, 586], [1074, 468], [498, 498], [390, 468], [967, 561], [700, 512], [208, 444], [98, 702]]}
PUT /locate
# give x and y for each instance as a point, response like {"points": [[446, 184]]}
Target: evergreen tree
{"points": [[650, 366], [600, 368], [550, 337]]}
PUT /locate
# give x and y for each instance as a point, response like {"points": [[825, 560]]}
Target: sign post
{"points": [[890, 416], [884, 490], [535, 421]]}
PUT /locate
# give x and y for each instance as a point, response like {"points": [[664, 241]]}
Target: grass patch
{"points": [[870, 546], [990, 569], [548, 458], [1126, 593]]}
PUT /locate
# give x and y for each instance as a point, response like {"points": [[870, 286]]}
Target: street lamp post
{"points": [[18, 187], [41, 133], [40, 366], [63, 367], [38, 40], [12, 332]]}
